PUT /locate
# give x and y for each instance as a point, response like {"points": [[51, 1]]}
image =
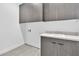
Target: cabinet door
{"points": [[59, 11], [75, 49], [49, 11], [68, 48], [30, 12], [65, 47], [48, 47]]}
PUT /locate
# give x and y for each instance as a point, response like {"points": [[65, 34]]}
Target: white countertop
{"points": [[61, 36]]}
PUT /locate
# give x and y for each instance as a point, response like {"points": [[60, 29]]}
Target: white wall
{"points": [[67, 26], [33, 37], [10, 34]]}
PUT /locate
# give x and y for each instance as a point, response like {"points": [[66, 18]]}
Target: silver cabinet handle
{"points": [[53, 42], [60, 43], [57, 43]]}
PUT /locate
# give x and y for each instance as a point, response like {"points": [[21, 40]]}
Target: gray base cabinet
{"points": [[59, 47]]}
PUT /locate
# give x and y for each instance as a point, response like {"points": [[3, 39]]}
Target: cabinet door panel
{"points": [[30, 12], [70, 48], [48, 48], [49, 11], [59, 11], [75, 49], [66, 48], [69, 11]]}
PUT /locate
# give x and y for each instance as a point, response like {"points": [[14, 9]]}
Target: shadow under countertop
{"points": [[62, 32]]}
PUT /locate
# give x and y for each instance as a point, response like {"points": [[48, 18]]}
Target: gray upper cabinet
{"points": [[36, 12], [49, 11], [77, 10], [30, 12], [59, 11]]}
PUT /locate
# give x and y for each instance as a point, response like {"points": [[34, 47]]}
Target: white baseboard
{"points": [[33, 45], [10, 48]]}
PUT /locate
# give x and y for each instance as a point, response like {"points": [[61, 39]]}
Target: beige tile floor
{"points": [[24, 50]]}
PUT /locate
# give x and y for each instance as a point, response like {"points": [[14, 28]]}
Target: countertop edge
{"points": [[61, 36]]}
